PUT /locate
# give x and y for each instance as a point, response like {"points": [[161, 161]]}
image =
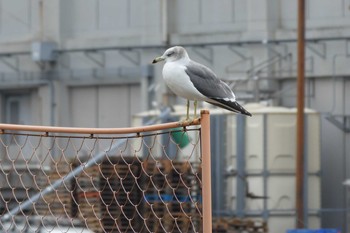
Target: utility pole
{"points": [[300, 117]]}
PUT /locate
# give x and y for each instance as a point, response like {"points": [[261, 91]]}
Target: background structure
{"points": [[90, 64]]}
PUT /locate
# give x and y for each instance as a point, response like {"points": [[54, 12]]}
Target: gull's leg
{"points": [[195, 109], [188, 110], [188, 120]]}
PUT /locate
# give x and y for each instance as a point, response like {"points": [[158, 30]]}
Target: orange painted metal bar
{"points": [[206, 171], [76, 130]]}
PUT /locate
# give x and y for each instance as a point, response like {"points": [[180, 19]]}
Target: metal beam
{"points": [[134, 56], [205, 53], [241, 173], [10, 61], [100, 60], [321, 52], [342, 124], [300, 118], [200, 44]]}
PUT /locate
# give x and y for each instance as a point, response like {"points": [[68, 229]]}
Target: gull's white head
{"points": [[172, 54]]}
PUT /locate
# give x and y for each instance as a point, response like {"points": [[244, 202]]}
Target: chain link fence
{"points": [[146, 179]]}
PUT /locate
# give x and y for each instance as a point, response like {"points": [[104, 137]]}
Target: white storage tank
{"points": [[278, 126], [266, 165]]}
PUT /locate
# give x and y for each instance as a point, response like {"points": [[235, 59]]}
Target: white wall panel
{"points": [[207, 16], [212, 12], [325, 9], [320, 14], [18, 18], [83, 106], [78, 16], [119, 18], [113, 14], [144, 13], [104, 106], [113, 106]]}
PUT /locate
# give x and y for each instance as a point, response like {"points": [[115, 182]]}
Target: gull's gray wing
{"points": [[206, 82]]}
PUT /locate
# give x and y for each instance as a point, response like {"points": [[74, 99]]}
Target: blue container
{"points": [[152, 197], [313, 231]]}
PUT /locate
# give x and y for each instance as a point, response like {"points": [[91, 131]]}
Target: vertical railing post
{"points": [[206, 171]]}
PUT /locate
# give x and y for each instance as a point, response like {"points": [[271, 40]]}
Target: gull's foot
{"points": [[187, 121]]}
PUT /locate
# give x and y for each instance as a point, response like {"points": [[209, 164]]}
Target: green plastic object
{"points": [[180, 137]]}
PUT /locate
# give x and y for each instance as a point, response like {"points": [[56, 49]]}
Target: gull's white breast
{"points": [[178, 81]]}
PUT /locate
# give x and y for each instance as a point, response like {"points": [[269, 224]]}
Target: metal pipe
{"points": [[41, 19], [206, 171], [300, 117], [217, 179], [265, 173], [164, 12], [92, 131], [346, 199], [240, 166], [218, 124], [305, 174], [52, 101], [332, 110]]}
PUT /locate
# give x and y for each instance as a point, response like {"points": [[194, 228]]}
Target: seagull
{"points": [[196, 82]]}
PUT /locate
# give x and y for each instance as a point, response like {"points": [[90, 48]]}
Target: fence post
{"points": [[206, 171]]}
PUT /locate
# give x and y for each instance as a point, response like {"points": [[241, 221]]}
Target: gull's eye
{"points": [[170, 53]]}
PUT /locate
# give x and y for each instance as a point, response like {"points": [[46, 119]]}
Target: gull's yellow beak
{"points": [[158, 59]]}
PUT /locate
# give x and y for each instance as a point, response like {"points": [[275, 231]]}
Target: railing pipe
{"points": [[206, 171]]}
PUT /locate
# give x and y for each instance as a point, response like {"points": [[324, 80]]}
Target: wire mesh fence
{"points": [[73, 180]]}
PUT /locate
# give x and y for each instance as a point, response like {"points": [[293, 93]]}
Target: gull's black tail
{"points": [[229, 105]]}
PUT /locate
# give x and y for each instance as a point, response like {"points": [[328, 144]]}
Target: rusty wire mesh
{"points": [[141, 182]]}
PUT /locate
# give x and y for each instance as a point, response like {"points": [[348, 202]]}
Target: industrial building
{"points": [[87, 63]]}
